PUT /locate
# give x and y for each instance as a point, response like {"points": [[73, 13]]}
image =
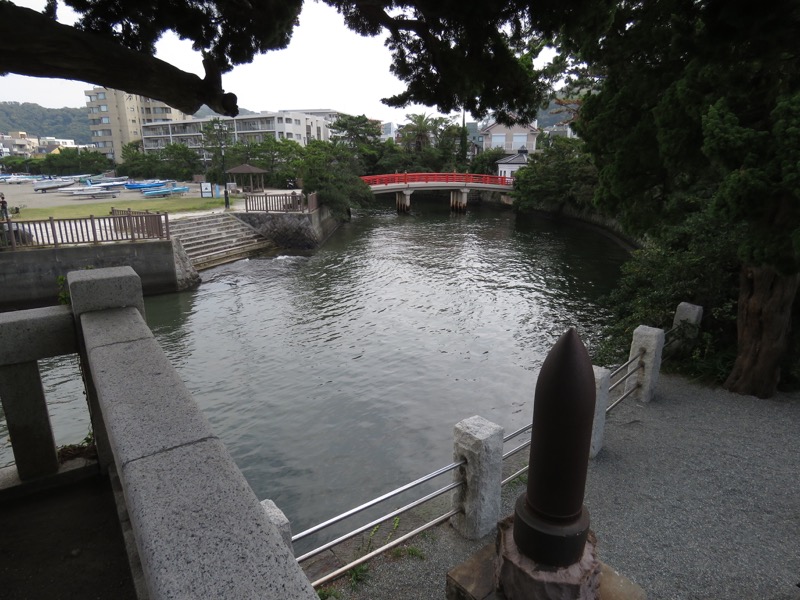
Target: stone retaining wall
{"points": [[301, 231], [29, 278]]}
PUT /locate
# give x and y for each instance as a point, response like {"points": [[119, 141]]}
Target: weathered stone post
{"points": [[687, 317], [601, 384], [480, 443], [648, 342], [550, 556]]}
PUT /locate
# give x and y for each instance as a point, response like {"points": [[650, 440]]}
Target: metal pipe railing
{"points": [[512, 452], [384, 548], [377, 500], [519, 431], [513, 476], [623, 367], [614, 385], [621, 398], [380, 520]]}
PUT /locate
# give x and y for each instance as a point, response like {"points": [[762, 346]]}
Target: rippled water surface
{"points": [[337, 376]]}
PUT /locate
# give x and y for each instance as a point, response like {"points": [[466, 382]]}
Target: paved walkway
{"points": [[695, 495]]}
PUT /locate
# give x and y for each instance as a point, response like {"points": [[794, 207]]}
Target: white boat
{"points": [[43, 185], [93, 191], [20, 179]]}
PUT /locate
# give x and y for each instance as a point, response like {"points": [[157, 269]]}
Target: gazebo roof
{"points": [[245, 169]]}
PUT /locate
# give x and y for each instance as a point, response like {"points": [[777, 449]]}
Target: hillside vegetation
{"points": [[38, 121]]}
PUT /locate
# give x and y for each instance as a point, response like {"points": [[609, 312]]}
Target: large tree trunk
{"points": [[763, 321]]}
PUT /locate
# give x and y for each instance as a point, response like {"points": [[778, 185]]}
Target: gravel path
{"points": [[694, 496]]}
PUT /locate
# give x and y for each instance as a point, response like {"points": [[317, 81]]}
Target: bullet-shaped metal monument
{"points": [[550, 521]]}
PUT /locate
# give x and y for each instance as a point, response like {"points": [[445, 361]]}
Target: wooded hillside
{"points": [[38, 121]]}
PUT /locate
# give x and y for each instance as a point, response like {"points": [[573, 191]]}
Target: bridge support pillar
{"points": [[403, 201], [458, 200]]}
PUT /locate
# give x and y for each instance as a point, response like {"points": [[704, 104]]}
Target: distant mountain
{"points": [[37, 121]]}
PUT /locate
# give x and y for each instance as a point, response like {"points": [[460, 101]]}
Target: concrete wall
{"points": [[29, 278], [292, 230]]}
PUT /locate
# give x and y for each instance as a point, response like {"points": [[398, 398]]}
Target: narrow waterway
{"points": [[337, 376]]}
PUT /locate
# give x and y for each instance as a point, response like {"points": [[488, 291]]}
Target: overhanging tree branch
{"points": [[33, 44]]}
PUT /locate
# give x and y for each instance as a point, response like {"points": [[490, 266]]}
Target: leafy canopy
{"points": [[477, 57]]}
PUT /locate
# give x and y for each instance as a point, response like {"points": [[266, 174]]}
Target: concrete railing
{"points": [[199, 530]]}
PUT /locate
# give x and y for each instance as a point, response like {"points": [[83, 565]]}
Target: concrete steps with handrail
{"points": [[217, 238]]}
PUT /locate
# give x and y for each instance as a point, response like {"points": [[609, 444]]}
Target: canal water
{"points": [[336, 376]]}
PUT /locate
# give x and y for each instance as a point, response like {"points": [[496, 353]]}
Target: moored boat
{"points": [[43, 185], [166, 191], [144, 185]]}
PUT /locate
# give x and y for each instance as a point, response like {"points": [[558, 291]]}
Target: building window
{"points": [[289, 135], [498, 140], [104, 108], [280, 135], [520, 141], [297, 121], [280, 119], [101, 96]]}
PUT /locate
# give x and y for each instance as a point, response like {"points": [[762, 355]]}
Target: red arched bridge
{"points": [[459, 184]]}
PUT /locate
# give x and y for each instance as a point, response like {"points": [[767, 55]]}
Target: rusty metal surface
{"points": [[551, 522]]}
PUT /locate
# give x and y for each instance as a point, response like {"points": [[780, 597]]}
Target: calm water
{"points": [[335, 377]]}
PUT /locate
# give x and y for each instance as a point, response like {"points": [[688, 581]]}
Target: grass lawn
{"points": [[99, 209]]}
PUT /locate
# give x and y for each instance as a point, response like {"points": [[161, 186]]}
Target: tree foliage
{"points": [[479, 59], [695, 111], [563, 174], [332, 170]]}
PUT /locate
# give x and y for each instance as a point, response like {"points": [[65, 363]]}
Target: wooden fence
{"points": [[293, 202], [130, 226]]}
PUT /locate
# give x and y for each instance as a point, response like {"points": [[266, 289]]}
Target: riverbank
{"points": [[694, 496]]}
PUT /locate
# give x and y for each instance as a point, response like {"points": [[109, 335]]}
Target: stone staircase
{"points": [[216, 238]]}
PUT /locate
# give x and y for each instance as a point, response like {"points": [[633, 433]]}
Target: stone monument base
{"points": [[478, 577]]}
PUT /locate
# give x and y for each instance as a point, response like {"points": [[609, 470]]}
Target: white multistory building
{"points": [[249, 129]]}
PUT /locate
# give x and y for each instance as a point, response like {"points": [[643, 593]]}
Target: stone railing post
{"points": [[27, 336], [28, 421], [688, 317], [601, 385], [279, 520], [93, 290], [480, 443], [649, 343]]}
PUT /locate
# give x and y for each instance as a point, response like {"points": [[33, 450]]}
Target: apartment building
{"points": [[116, 118], [249, 129], [18, 143]]}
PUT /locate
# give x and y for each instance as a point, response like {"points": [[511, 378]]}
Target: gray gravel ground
{"points": [[694, 496]]}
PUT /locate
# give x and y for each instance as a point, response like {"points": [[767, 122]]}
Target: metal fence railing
{"points": [[292, 202], [396, 513], [54, 233]]}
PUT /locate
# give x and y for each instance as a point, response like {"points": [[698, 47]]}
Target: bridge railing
{"points": [[465, 178]]}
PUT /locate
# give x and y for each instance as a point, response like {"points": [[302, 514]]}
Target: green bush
{"points": [[693, 262]]}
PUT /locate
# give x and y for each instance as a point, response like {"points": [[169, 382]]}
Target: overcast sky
{"points": [[325, 66]]}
